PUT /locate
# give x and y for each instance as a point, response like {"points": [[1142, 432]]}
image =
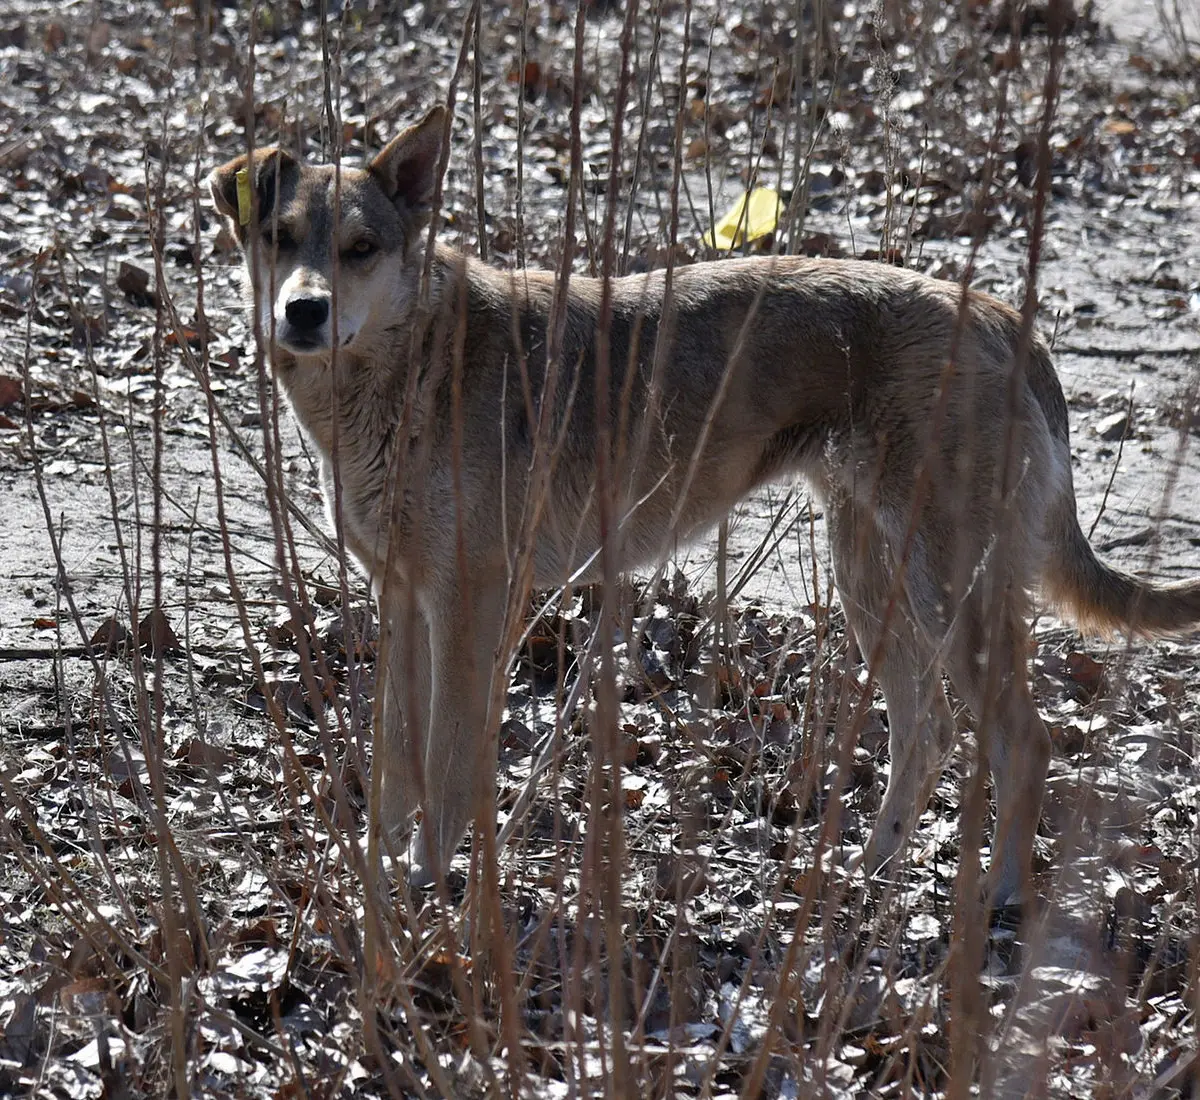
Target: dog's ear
{"points": [[407, 167], [234, 184]]}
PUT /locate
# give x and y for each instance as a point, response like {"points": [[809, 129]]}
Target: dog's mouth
{"points": [[315, 342], [301, 343]]}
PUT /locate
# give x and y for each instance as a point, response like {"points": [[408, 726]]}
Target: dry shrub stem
{"points": [[576, 948]]}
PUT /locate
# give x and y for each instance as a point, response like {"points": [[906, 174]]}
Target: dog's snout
{"points": [[306, 313]]}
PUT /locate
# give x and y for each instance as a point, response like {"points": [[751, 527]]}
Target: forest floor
{"points": [[180, 903]]}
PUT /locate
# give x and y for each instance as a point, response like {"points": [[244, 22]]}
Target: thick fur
{"points": [[942, 460]]}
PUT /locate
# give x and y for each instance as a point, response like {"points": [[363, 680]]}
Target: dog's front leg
{"points": [[460, 758], [403, 729]]}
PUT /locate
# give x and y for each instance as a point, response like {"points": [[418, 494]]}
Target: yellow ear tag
{"points": [[243, 194], [753, 216]]}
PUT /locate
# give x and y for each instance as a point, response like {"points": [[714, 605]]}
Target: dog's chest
{"points": [[352, 425]]}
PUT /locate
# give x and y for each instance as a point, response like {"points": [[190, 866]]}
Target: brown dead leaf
{"points": [[514, 734], [225, 242], [1086, 671], [186, 334], [11, 391], [179, 945], [203, 754], [434, 981], [134, 283], [894, 256], [98, 37], [1172, 872], [55, 37], [503, 240], [530, 79], [1120, 126], [125, 208], [778, 91], [88, 997], [110, 635], [820, 244], [155, 632]]}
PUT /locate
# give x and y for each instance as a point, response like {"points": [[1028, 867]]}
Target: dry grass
{"points": [[189, 903]]}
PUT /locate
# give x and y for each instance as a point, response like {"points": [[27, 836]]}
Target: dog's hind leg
{"points": [[904, 662], [1018, 744], [460, 754]]}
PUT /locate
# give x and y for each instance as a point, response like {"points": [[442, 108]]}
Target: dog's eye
{"points": [[360, 250], [281, 240]]}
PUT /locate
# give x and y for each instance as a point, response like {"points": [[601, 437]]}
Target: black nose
{"points": [[306, 313]]}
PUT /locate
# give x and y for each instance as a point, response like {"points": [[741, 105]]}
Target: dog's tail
{"points": [[1101, 598]]}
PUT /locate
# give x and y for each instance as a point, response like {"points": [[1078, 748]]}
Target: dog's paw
{"points": [[420, 875], [844, 861], [420, 870]]}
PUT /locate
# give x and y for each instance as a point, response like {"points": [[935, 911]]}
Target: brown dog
{"points": [[460, 428]]}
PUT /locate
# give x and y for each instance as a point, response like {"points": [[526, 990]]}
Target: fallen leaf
{"points": [[752, 217], [110, 634], [55, 37], [98, 37], [155, 632], [11, 391], [1086, 671], [134, 283], [820, 244], [530, 78], [185, 334], [203, 754]]}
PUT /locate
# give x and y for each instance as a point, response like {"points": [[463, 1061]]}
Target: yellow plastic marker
{"points": [[243, 194], [754, 215]]}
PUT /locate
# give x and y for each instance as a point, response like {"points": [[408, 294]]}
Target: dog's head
{"points": [[311, 225]]}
